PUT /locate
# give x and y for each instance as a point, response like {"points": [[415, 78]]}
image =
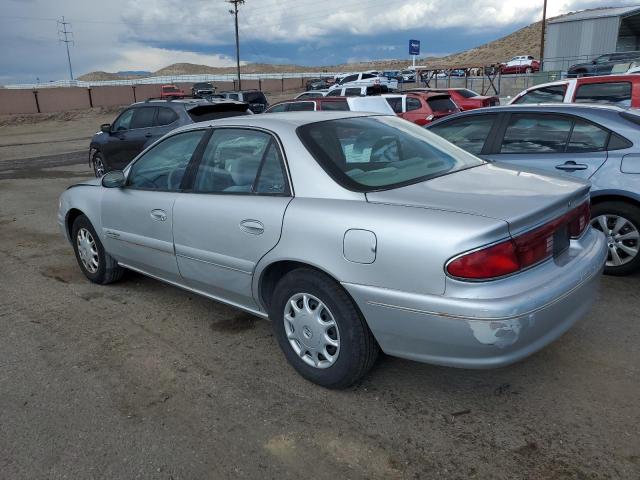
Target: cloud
{"points": [[152, 58]]}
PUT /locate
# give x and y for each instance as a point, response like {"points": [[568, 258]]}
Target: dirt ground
{"points": [[142, 380]]}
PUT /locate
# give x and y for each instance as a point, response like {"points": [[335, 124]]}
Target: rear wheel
{"points": [[320, 331], [96, 264], [620, 222]]}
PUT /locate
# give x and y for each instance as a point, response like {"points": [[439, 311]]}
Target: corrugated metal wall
{"points": [[567, 43]]}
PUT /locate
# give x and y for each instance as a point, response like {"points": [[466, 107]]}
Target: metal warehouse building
{"points": [[581, 36]]}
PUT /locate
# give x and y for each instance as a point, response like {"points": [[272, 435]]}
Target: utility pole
{"points": [[234, 12], [544, 27], [65, 32]]}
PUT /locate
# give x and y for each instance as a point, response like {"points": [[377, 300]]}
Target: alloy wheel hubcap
{"points": [[622, 238], [311, 330], [98, 166], [87, 250]]}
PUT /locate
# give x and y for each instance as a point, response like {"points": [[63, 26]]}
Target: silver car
{"points": [[352, 232]]}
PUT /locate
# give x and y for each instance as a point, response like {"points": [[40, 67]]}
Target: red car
{"points": [[313, 104], [171, 92], [520, 64], [422, 107], [463, 97]]}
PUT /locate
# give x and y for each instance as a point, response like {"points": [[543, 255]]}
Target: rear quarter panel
{"points": [[412, 243]]}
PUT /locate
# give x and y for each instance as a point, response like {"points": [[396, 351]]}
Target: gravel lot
{"points": [[143, 380]]}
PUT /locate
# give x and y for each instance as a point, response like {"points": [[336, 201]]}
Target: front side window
{"points": [[442, 104], [278, 108], [124, 121], [551, 94], [374, 153], [536, 134], [349, 78], [232, 96], [335, 93], [240, 161], [616, 93], [469, 133], [163, 167], [143, 117]]}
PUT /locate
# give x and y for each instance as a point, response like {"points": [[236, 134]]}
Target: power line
{"points": [[66, 40]]}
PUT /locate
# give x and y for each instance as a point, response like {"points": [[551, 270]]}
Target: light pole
{"points": [[544, 27], [234, 12]]}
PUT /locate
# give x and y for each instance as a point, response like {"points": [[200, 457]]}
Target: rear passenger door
{"points": [[165, 121], [561, 144], [231, 215]]}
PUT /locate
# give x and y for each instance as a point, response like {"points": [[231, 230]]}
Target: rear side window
{"points": [[367, 75], [240, 161], [143, 117], [586, 137], [469, 133], [536, 134], [616, 93], [166, 116], [232, 96], [340, 106], [301, 107], [552, 94], [441, 104], [395, 103], [467, 93], [413, 104], [352, 92], [203, 113], [335, 93], [349, 78]]}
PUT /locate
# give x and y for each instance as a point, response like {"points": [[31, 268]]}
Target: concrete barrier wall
{"points": [[63, 99], [111, 96], [147, 91], [17, 101]]}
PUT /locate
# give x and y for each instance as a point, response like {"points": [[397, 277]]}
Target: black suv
{"points": [[142, 123], [202, 90], [255, 98], [602, 65]]}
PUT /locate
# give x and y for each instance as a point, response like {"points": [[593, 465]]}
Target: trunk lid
{"points": [[523, 199]]}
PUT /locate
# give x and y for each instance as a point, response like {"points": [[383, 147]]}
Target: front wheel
{"points": [[528, 70], [96, 264], [99, 168], [320, 331], [620, 223]]}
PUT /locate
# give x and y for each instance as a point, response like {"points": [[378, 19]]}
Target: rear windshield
{"points": [[467, 93], [254, 97], [170, 89], [378, 153], [203, 85], [203, 113], [441, 104]]}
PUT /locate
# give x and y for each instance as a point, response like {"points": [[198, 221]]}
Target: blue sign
{"points": [[414, 47]]}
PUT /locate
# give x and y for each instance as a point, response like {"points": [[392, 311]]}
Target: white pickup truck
{"points": [[364, 79]]}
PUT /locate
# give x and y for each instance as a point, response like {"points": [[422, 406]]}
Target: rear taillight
{"points": [[520, 252]]}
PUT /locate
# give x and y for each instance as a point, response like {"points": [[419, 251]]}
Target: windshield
{"points": [[382, 152]]}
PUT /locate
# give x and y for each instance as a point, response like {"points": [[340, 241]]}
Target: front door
{"points": [[129, 135], [233, 215], [137, 220], [561, 144]]}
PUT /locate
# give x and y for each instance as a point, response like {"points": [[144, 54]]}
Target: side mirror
{"points": [[105, 128], [114, 179]]}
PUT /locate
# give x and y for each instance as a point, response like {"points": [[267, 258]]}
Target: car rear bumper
{"points": [[491, 324]]}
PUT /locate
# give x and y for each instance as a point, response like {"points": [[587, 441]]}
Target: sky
{"points": [[117, 35]]}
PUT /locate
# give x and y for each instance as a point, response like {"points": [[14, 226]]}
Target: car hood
{"points": [[521, 198]]}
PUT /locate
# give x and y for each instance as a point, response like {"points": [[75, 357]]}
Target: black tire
{"points": [[358, 348], [632, 214], [98, 164], [108, 270]]}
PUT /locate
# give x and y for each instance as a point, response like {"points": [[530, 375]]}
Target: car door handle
{"points": [[571, 166], [159, 215], [255, 227], [148, 134]]}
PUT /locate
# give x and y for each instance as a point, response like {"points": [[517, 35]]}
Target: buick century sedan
{"points": [[353, 233]]}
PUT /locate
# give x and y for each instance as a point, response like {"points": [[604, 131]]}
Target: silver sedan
{"points": [[352, 233]]}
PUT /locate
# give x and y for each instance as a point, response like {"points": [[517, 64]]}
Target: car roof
{"points": [[278, 120], [186, 102], [573, 108], [310, 99]]}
